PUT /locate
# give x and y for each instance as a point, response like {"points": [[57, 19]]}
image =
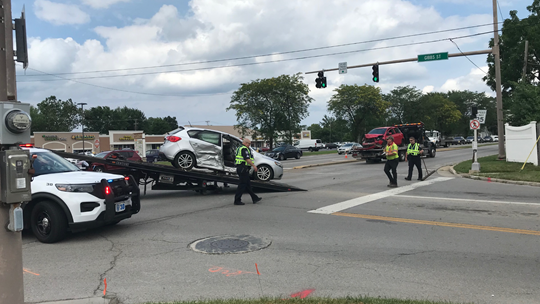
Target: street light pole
{"points": [[497, 58], [82, 104]]}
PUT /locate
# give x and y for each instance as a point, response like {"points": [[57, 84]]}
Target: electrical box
{"points": [[15, 124], [14, 177]]}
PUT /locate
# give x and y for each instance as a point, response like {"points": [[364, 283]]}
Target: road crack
{"points": [[102, 276]]}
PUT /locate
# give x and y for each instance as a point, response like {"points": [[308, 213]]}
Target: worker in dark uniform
{"points": [[244, 159], [413, 156]]}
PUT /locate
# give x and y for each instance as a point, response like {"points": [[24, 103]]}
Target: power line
{"points": [[120, 90], [467, 56], [258, 63], [271, 54], [500, 12]]}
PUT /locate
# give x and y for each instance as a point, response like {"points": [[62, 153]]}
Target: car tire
{"points": [[281, 157], [99, 168], [297, 156], [264, 173], [432, 152], [185, 160], [310, 149], [48, 222]]}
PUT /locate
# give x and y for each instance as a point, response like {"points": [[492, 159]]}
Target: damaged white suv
{"points": [[187, 148], [65, 199]]}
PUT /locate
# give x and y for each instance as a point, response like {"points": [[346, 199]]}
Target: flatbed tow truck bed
{"points": [[169, 178]]}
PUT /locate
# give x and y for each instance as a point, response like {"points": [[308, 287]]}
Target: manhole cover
{"points": [[229, 244]]}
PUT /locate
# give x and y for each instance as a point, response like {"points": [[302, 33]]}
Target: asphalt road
{"points": [[446, 238]]}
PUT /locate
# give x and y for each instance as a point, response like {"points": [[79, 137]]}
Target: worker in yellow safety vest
{"points": [[413, 156], [392, 161], [243, 161]]}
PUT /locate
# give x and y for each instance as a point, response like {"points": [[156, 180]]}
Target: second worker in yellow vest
{"points": [[413, 156]]}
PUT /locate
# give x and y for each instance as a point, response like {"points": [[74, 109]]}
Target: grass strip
{"points": [[314, 300], [491, 166]]}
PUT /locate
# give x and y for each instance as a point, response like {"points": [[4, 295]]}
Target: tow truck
{"points": [[372, 149], [163, 177]]}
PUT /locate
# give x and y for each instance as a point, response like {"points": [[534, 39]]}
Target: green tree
{"points": [[362, 106], [403, 102], [158, 125], [512, 46], [270, 107], [524, 105], [464, 101], [100, 119], [55, 115], [437, 112]]}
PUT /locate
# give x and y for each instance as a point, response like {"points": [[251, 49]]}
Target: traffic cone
{"points": [[345, 155]]}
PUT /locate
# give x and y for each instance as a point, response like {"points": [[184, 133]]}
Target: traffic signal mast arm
{"points": [[405, 60]]}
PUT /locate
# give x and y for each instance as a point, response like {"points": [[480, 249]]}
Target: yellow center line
{"points": [[443, 224]]}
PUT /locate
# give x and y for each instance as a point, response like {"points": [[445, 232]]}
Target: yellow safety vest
{"points": [[413, 150], [240, 159], [393, 147]]}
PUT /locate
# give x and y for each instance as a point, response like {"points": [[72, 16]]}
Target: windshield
{"points": [[101, 155], [279, 149], [47, 162], [377, 131], [347, 145]]}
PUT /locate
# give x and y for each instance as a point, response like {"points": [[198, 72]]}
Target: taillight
{"points": [[173, 138], [126, 178], [107, 190]]}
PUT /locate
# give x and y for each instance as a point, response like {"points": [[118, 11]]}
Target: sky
{"points": [[181, 58]]}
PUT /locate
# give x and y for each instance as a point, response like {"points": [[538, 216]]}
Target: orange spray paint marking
{"points": [[28, 271], [228, 272], [256, 267], [105, 289], [302, 294]]}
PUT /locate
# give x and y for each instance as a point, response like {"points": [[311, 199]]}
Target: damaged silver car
{"points": [[188, 148]]}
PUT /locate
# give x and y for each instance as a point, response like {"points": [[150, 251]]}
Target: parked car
{"points": [[153, 156], [188, 148], [495, 137], [347, 148], [330, 146], [284, 152], [469, 139], [488, 138], [130, 155], [460, 140]]}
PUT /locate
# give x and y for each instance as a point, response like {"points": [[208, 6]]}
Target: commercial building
{"points": [[94, 142]]}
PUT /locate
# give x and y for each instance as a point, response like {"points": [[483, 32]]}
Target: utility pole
{"points": [[497, 58], [11, 266], [82, 104], [525, 60]]}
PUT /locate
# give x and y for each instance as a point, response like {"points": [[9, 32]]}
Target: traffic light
{"points": [[375, 72], [320, 82], [474, 111]]}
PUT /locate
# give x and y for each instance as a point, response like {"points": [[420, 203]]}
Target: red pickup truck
{"points": [[378, 136]]}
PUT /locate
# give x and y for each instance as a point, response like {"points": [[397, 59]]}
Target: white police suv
{"points": [[66, 199]]}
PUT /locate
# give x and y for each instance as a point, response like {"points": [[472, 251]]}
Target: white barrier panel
{"points": [[520, 141]]}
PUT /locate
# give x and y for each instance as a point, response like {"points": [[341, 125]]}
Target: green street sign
{"points": [[433, 57]]}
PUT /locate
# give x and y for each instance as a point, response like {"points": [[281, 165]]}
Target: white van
{"points": [[309, 144]]}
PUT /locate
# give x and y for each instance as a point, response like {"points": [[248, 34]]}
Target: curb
{"points": [[101, 300], [327, 164], [497, 180]]}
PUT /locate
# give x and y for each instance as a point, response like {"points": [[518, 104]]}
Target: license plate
{"points": [[121, 206]]}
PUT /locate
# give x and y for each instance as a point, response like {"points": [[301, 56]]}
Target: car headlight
{"points": [[278, 164], [75, 188]]}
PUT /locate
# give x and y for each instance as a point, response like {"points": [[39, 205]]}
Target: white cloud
{"points": [[60, 13], [428, 89], [216, 30], [472, 82], [102, 3]]}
